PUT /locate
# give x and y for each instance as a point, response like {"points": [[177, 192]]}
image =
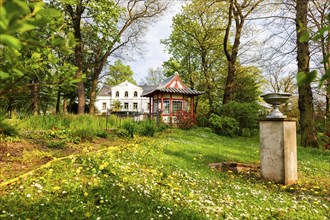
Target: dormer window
{"points": [[117, 94], [126, 94], [135, 94]]}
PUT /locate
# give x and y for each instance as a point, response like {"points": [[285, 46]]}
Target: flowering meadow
{"points": [[168, 177]]}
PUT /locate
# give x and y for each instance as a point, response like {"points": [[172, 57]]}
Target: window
{"points": [[104, 106], [126, 94], [117, 94], [135, 106], [135, 93], [126, 105], [166, 106], [176, 106]]}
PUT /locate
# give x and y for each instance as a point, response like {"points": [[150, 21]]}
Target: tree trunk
{"points": [[228, 93], [239, 19], [57, 111], [80, 84], [306, 107], [65, 106], [35, 96], [93, 95], [78, 50]]}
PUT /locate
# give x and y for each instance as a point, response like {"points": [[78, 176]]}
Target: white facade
{"points": [[128, 94]]}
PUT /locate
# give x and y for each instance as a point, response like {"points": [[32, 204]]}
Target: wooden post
{"points": [[149, 116], [191, 105]]}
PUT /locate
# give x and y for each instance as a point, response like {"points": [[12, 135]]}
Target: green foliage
{"points": [[116, 106], [118, 73], [246, 114], [224, 125], [185, 120], [129, 126], [146, 128], [31, 38], [83, 134], [56, 144], [6, 128]]}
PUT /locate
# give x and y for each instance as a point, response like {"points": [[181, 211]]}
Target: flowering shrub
{"points": [[185, 120]]}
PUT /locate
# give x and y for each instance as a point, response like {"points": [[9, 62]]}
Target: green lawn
{"points": [[167, 177]]}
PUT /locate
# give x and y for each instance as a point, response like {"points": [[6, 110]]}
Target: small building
{"points": [[129, 96], [169, 97]]}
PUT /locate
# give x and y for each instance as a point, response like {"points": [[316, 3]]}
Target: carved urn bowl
{"points": [[276, 99]]}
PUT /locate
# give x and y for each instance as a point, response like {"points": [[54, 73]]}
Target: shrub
{"points": [[60, 144], [83, 134], [246, 114], [102, 133], [129, 126], [6, 128], [185, 120], [121, 132], [147, 128], [224, 125]]}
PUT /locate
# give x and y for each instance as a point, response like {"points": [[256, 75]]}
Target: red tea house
{"points": [[169, 97]]}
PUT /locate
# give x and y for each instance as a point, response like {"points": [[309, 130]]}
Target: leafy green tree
{"points": [[31, 36], [118, 73], [116, 106], [194, 44]]}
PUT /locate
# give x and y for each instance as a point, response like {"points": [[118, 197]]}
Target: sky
{"points": [[154, 51]]}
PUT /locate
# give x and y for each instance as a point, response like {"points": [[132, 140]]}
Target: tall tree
{"points": [[194, 44], [101, 14], [118, 73], [154, 77], [305, 103], [238, 11], [129, 28]]}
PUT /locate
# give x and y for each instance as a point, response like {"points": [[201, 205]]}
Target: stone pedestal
{"points": [[278, 150]]}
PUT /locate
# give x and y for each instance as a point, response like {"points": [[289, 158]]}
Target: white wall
{"points": [[142, 102]]}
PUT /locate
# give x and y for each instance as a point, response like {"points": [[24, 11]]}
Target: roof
{"points": [[105, 90], [172, 84]]}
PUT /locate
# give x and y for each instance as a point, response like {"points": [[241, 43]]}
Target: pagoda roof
{"points": [[172, 84]]}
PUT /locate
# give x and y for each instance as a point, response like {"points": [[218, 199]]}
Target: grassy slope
{"points": [[168, 177]]}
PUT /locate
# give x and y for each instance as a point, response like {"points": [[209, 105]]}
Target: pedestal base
{"points": [[278, 150]]}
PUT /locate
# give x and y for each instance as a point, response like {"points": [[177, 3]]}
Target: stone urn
{"points": [[276, 99]]}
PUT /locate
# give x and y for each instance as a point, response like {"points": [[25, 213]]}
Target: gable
{"points": [[176, 83]]}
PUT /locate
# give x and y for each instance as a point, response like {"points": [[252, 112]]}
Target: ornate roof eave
{"points": [[186, 91]]}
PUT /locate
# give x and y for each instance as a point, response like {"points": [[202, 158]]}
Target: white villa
{"points": [[128, 94]]}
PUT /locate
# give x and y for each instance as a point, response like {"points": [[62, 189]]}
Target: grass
{"points": [[167, 177]]}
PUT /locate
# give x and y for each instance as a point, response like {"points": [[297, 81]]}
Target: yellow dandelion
{"points": [[56, 188], [88, 214], [85, 193]]}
